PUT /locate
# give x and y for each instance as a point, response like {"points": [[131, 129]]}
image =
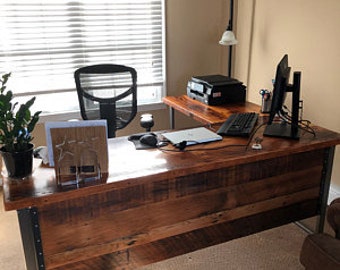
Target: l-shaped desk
{"points": [[156, 204]]}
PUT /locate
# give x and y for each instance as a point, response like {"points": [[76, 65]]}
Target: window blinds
{"points": [[44, 42]]}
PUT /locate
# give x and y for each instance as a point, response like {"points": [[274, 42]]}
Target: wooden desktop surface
{"points": [[158, 204], [204, 113]]}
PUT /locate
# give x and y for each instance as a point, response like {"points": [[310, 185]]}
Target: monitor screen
{"points": [[280, 88]]}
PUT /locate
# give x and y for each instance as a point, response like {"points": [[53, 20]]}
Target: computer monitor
{"points": [[288, 125]]}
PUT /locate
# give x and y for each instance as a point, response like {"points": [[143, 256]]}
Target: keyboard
{"points": [[239, 124]]}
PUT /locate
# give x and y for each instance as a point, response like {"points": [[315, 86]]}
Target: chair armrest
{"points": [[333, 216]]}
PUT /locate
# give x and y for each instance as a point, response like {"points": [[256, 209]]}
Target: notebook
{"points": [[192, 136]]}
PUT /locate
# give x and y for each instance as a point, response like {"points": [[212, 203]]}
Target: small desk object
{"points": [[203, 113], [157, 204], [77, 150]]}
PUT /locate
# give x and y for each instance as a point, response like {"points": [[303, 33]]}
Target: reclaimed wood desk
{"points": [[203, 113], [157, 204]]}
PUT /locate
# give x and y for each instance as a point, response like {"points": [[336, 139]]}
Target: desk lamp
{"points": [[228, 37]]}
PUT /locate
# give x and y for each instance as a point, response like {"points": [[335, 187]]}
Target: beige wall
{"points": [[194, 28], [308, 31]]}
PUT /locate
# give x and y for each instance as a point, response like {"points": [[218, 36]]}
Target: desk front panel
{"points": [[143, 223]]}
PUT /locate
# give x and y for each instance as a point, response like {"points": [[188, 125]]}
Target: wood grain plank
{"points": [[40, 188], [137, 256]]}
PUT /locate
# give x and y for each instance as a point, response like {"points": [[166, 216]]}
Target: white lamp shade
{"points": [[228, 38]]}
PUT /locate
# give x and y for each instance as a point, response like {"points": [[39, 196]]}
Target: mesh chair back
{"points": [[107, 92]]}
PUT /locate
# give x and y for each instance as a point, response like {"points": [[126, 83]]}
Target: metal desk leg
{"points": [[324, 191], [172, 118], [325, 185], [30, 234]]}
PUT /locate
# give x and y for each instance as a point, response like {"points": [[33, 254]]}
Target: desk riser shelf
{"points": [[203, 113]]}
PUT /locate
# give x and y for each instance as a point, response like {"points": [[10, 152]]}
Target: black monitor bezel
{"points": [[280, 88]]}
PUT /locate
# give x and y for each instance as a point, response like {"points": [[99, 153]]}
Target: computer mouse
{"points": [[149, 139]]}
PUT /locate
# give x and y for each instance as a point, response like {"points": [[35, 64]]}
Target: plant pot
{"points": [[18, 164]]}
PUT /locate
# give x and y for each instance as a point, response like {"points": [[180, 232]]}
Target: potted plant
{"points": [[16, 126]]}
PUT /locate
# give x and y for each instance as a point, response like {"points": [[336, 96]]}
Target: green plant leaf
{"points": [[16, 126]]}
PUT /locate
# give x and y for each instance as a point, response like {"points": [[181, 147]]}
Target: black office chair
{"points": [[108, 92]]}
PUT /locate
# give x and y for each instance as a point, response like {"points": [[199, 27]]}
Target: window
{"points": [[44, 42]]}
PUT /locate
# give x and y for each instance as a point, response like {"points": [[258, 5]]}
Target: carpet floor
{"points": [[277, 249]]}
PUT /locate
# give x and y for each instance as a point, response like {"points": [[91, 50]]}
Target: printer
{"points": [[216, 89]]}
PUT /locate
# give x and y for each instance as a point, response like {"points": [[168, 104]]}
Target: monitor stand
{"points": [[284, 129]]}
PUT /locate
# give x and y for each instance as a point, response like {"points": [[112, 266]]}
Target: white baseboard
{"points": [[333, 194]]}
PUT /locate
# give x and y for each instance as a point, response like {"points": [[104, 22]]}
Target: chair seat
{"points": [[320, 251]]}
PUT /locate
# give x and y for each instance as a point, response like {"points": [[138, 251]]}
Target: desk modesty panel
{"points": [[157, 204]]}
